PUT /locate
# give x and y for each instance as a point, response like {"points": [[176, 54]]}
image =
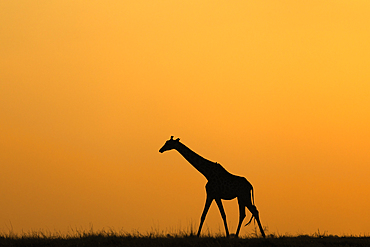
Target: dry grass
{"points": [[180, 238]]}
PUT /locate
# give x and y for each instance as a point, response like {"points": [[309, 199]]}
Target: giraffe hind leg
{"points": [[241, 214], [255, 214]]}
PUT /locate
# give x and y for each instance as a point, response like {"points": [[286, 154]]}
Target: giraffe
{"points": [[221, 185]]}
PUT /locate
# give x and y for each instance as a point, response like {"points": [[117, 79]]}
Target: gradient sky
{"points": [[276, 91]]}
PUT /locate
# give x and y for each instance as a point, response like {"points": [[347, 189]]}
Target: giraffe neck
{"points": [[203, 165]]}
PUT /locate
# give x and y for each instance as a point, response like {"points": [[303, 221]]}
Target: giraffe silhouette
{"points": [[221, 185]]}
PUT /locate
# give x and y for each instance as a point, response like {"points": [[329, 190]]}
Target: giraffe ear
{"points": [[178, 139]]}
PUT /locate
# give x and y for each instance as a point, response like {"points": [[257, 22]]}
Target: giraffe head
{"points": [[170, 144]]}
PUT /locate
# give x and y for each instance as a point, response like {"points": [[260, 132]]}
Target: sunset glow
{"points": [[275, 91]]}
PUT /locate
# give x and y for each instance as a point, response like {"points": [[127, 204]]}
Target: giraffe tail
{"points": [[252, 196], [250, 220]]}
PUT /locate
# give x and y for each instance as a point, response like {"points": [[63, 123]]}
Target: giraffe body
{"points": [[221, 185]]}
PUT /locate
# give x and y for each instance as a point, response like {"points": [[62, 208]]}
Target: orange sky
{"points": [[276, 91]]}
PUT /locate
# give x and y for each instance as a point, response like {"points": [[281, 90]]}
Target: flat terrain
{"points": [[113, 239]]}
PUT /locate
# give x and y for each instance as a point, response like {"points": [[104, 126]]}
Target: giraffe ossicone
{"points": [[221, 185]]}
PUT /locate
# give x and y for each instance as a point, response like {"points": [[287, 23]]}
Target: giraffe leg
{"points": [[205, 211], [223, 215], [242, 204], [255, 213]]}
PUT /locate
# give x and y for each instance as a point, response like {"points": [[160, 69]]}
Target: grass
{"points": [[182, 238]]}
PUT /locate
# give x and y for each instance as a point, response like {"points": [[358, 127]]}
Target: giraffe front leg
{"points": [[205, 211], [223, 215]]}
